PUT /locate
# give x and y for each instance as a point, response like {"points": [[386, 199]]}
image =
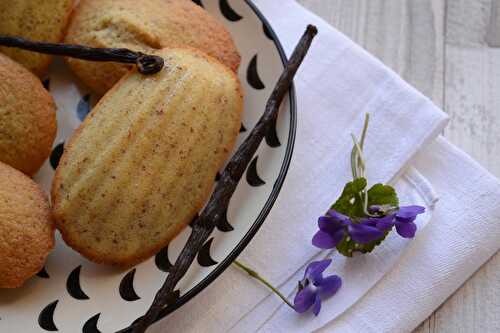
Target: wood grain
{"points": [[450, 51]]}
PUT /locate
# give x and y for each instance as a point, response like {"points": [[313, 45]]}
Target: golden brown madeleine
{"points": [[143, 162], [145, 26], [26, 227], [40, 20], [27, 118]]}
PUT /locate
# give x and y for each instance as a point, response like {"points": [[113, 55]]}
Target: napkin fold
{"points": [[359, 273], [463, 234], [338, 83]]}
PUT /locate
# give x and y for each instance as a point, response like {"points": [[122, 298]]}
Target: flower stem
{"points": [[358, 165], [360, 162], [365, 129], [354, 168], [256, 276]]}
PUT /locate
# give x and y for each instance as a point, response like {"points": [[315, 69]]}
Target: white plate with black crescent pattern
{"points": [[72, 294]]}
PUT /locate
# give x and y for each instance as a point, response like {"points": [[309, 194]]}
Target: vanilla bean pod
{"points": [[219, 201], [147, 64]]}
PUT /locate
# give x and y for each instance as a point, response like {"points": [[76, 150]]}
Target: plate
{"points": [[72, 294]]}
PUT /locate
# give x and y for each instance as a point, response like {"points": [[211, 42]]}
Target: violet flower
{"points": [[334, 226], [332, 229], [402, 218], [314, 287], [364, 233]]}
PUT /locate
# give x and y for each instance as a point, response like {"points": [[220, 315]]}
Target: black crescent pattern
{"points": [[56, 154], [43, 273], [229, 12], [217, 176], [204, 258], [216, 271], [224, 225], [272, 139], [46, 83], [162, 261], [83, 108], [253, 178], [46, 317], [253, 77], [90, 325], [127, 291], [73, 285], [243, 128], [267, 32]]}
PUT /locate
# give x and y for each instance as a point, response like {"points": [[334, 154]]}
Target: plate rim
{"points": [[259, 221]]}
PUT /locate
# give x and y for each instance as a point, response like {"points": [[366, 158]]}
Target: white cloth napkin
{"points": [[359, 273], [463, 233], [338, 84]]}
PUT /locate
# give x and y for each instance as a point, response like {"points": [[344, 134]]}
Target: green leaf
{"points": [[381, 194], [350, 202], [346, 247]]}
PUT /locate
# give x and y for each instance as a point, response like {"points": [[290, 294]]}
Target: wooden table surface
{"points": [[450, 51]]}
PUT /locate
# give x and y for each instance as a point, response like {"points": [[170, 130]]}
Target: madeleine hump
{"points": [[144, 26], [143, 162], [26, 227]]}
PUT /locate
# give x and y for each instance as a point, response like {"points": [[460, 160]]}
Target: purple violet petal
{"points": [[371, 221], [330, 285], [338, 216], [304, 300], [405, 220], [325, 240], [328, 224], [407, 212], [382, 223], [363, 234], [406, 229], [385, 223], [317, 305], [316, 268]]}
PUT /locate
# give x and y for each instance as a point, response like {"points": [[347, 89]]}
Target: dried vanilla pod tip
{"points": [[144, 26], [146, 64]]}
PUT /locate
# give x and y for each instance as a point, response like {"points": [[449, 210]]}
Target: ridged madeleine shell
{"points": [[143, 162]]}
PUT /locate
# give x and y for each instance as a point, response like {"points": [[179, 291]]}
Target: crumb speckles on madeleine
{"points": [[27, 118], [144, 26], [26, 227], [40, 20], [143, 162]]}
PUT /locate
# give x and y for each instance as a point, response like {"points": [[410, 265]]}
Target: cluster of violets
{"points": [[333, 228], [349, 233]]}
